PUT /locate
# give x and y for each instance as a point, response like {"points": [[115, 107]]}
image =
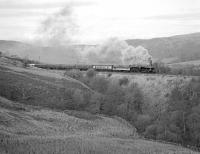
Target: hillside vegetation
{"points": [[34, 89], [27, 129], [79, 112], [161, 107], [155, 88]]}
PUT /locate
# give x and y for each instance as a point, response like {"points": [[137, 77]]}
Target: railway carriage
{"points": [[107, 68], [103, 67]]}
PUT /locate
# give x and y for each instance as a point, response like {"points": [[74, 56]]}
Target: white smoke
{"points": [[138, 56], [55, 35], [59, 28], [115, 51]]}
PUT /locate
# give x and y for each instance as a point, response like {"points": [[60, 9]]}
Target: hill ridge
{"points": [[178, 48]]}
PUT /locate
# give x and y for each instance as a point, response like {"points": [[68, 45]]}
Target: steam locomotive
{"points": [[107, 68]]}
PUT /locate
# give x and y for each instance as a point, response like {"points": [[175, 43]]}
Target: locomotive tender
{"points": [[107, 68]]}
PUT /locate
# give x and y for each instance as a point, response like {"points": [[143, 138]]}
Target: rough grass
{"points": [[34, 89], [82, 114], [41, 131], [28, 120], [87, 145]]}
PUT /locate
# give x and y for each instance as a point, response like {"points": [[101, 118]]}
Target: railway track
{"points": [[100, 68]]}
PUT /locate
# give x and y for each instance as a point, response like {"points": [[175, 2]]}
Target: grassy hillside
{"points": [[37, 111], [19, 120], [37, 87], [184, 47], [27, 129]]}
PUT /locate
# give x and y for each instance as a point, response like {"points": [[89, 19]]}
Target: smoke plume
{"points": [[59, 28], [57, 32], [115, 51]]}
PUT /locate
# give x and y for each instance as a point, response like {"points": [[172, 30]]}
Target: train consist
{"points": [[107, 68]]}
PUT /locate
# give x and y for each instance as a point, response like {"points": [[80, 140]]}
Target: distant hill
{"points": [[181, 47], [20, 49], [178, 48], [54, 55], [192, 63]]}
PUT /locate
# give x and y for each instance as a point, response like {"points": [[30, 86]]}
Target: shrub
{"points": [[99, 83], [142, 122], [67, 95], [91, 73], [161, 68], [123, 81], [76, 74], [151, 131], [78, 98], [109, 75], [134, 97], [95, 103]]}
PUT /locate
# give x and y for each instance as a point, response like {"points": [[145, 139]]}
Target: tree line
{"points": [[179, 122], [190, 70]]}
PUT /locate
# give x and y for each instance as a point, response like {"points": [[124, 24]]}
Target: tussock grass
{"points": [[36, 90], [44, 131], [87, 145]]}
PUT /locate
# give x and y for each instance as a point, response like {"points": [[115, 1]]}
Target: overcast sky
{"points": [[101, 19]]}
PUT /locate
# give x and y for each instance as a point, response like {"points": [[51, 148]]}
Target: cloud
{"points": [[40, 4], [184, 16], [23, 13]]}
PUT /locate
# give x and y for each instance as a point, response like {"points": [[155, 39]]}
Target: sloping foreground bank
{"points": [[26, 129]]}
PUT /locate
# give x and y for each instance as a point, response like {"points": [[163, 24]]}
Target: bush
{"points": [[78, 98], [91, 73], [67, 96], [134, 97], [142, 122], [109, 75], [114, 97], [95, 103], [123, 81], [99, 83], [186, 70], [151, 131], [161, 68], [76, 74]]}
